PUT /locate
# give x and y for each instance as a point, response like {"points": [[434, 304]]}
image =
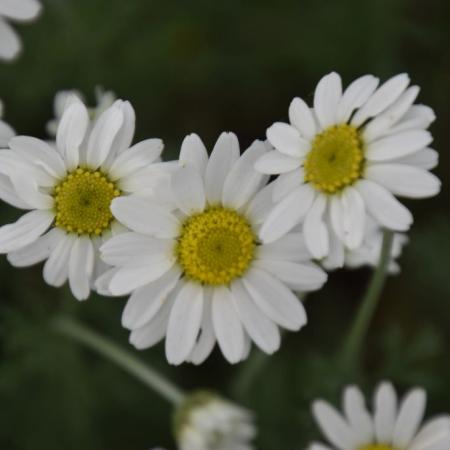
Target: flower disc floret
{"points": [[215, 246], [83, 200], [336, 159]]}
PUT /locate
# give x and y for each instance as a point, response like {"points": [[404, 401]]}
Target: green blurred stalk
{"points": [[120, 356], [353, 342]]}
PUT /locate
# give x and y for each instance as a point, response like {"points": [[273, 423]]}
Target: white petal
{"points": [[357, 415], [56, 268], [286, 183], [315, 230], [353, 217], [334, 426], [404, 180], [410, 416], [275, 299], [125, 135], [184, 323], [81, 267], [28, 190], [434, 432], [288, 213], [336, 256], [243, 181], [207, 339], [152, 332], [132, 277], [40, 153], [382, 123], [6, 133], [102, 136], [21, 10], [287, 140], [318, 446], [188, 190], [134, 249], [261, 329], [135, 158], [383, 97], [326, 99], [71, 132], [290, 247], [104, 280], [417, 117], [301, 118], [37, 251], [193, 152], [224, 154], [227, 324], [356, 94], [144, 216], [145, 302], [300, 277], [398, 145], [384, 208], [424, 159], [10, 45], [9, 195], [260, 205], [26, 230], [385, 412], [274, 162]]}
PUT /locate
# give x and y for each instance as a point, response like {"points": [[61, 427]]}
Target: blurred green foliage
{"points": [[207, 67]]}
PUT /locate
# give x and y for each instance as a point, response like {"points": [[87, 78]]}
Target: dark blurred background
{"points": [[207, 67]]}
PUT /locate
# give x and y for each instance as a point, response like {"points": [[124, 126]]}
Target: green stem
{"points": [[354, 340], [122, 357]]}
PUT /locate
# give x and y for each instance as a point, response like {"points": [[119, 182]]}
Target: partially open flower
{"points": [[207, 422]]}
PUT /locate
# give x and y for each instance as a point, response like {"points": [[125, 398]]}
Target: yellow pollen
{"points": [[336, 159], [377, 447], [215, 246], [82, 202]]}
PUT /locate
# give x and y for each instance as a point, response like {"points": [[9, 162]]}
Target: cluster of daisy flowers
{"points": [[221, 246]]}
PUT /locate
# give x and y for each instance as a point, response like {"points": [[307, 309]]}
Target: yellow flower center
{"points": [[82, 202], [336, 159], [377, 447], [215, 246]]}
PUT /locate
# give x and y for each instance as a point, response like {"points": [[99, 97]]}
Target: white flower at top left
{"points": [[18, 11], [68, 191]]}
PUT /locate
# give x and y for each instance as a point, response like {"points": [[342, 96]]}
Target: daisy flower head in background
{"points": [[346, 159], [103, 100], [68, 190], [393, 425], [207, 422], [368, 253], [6, 132], [17, 11], [195, 265]]}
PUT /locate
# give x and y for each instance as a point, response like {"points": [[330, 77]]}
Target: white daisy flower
{"points": [[346, 158], [196, 266], [18, 11], [392, 426], [104, 99], [207, 422], [69, 189], [368, 253], [6, 132]]}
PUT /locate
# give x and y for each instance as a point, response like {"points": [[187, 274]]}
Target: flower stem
{"points": [[122, 357], [354, 340]]}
